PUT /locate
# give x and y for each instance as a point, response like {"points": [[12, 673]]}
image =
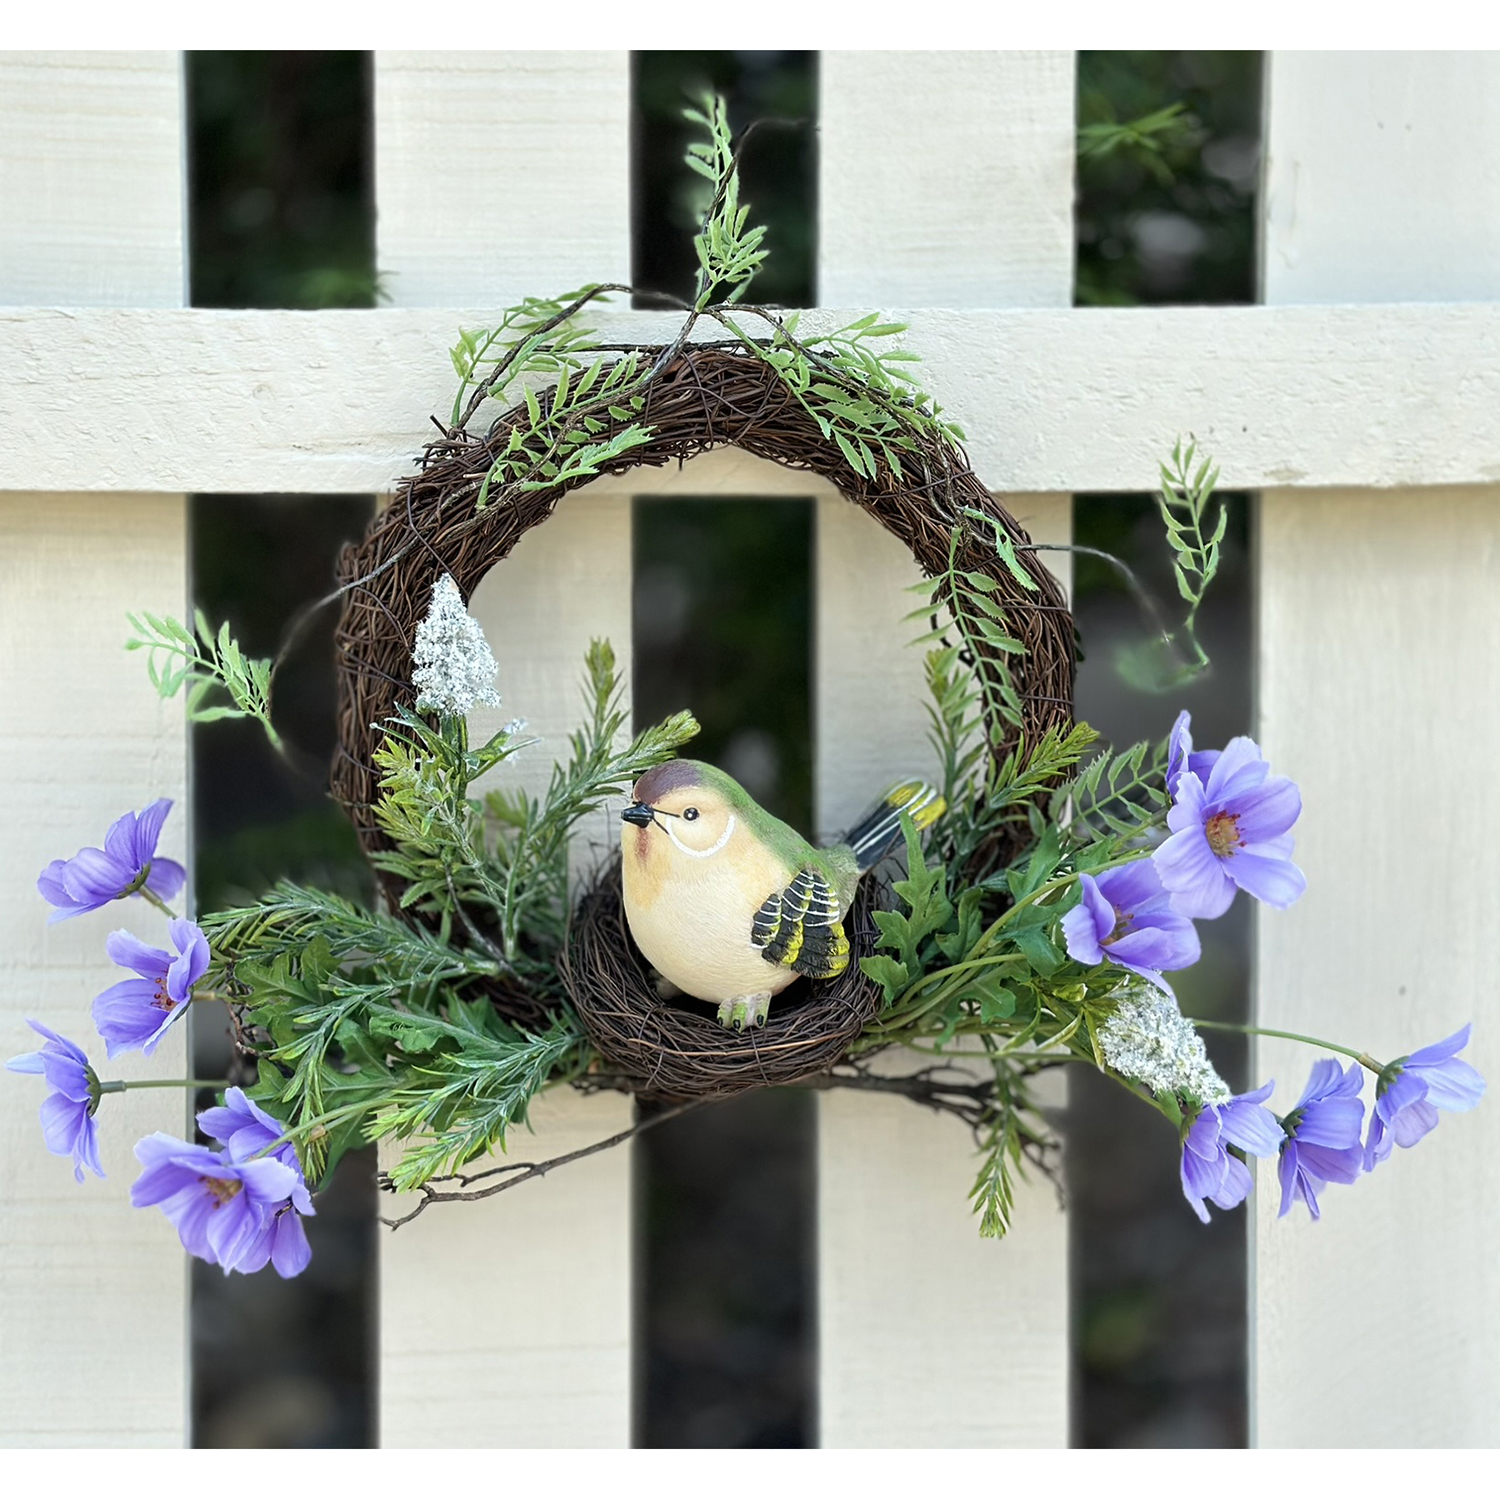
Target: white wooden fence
{"points": [[1363, 399]]}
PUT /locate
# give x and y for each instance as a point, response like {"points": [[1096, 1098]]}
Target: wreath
{"points": [[1028, 926]]}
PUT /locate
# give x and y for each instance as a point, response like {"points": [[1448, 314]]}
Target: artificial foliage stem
{"points": [[1363, 1058], [156, 900], [120, 1085]]}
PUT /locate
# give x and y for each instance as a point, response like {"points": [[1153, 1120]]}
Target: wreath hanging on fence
{"points": [[1031, 925], [688, 398]]}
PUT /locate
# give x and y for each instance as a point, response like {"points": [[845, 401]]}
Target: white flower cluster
{"points": [[453, 666], [1147, 1038]]}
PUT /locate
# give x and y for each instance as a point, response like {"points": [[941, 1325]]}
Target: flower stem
{"points": [[119, 1085], [156, 901], [1290, 1036]]}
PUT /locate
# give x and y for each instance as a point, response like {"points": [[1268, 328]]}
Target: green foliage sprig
{"points": [[1185, 502], [202, 661], [1147, 140], [373, 1028], [728, 252], [865, 399]]}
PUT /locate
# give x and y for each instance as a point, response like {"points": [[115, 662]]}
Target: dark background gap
{"points": [[1158, 1301], [280, 216], [725, 1323], [778, 168]]}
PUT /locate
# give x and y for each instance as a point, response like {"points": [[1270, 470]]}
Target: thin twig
{"points": [[525, 1171]]}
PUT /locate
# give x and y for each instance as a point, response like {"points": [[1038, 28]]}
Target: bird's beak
{"points": [[640, 813]]}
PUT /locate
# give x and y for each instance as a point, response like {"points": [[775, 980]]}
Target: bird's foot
{"points": [[744, 1011]]}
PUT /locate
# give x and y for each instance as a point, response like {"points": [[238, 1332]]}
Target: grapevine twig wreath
{"points": [[1031, 925]]}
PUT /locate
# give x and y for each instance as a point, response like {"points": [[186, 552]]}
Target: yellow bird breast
{"points": [[692, 918]]}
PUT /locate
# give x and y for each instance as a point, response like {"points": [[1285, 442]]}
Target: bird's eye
{"points": [[690, 814]]}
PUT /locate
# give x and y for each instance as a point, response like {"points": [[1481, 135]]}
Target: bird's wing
{"points": [[799, 928]]}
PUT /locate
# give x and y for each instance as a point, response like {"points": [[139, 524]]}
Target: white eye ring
{"points": [[702, 853]]}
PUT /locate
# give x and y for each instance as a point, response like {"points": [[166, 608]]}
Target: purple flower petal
{"points": [[1192, 873], [1269, 810], [147, 830], [137, 1013], [1277, 882], [1329, 1165], [127, 950], [1238, 770], [1441, 1051], [1452, 1085], [95, 877], [167, 877], [1251, 1127], [1413, 1122], [1404, 1090], [1090, 920], [1235, 1187], [1131, 888], [290, 1252], [62, 1123]]}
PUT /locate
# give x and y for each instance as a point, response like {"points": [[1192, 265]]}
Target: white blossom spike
{"points": [[1147, 1038], [453, 667]]}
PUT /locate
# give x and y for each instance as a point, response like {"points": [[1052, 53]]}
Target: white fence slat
{"points": [[1346, 129], [965, 153], [928, 1335], [1380, 694], [1379, 662], [507, 1324], [502, 172], [93, 1294], [91, 196], [1053, 399]]}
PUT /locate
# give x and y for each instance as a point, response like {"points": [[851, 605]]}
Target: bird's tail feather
{"points": [[879, 831]]}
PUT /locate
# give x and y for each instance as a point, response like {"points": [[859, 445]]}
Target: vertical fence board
{"points": [[90, 180], [507, 1323], [1379, 662], [93, 1295], [500, 175], [929, 1336], [946, 179]]}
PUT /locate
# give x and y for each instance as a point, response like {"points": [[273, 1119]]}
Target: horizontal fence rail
{"points": [[1053, 400]]}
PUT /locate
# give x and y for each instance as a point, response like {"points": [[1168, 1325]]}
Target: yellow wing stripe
{"points": [[799, 929]]}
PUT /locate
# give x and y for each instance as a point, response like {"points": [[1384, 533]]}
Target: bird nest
{"points": [[703, 397], [674, 1047]]}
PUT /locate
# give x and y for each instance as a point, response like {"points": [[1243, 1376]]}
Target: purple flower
{"points": [[1182, 757], [1125, 917], [1231, 833], [128, 861], [68, 1111], [247, 1130], [137, 1012], [1208, 1170], [1412, 1090], [225, 1211], [1322, 1135]]}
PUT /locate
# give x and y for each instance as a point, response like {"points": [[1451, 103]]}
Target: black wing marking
{"points": [[799, 928]]}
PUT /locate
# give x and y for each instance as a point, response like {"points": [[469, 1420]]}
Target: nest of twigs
{"points": [[675, 1048], [704, 397]]}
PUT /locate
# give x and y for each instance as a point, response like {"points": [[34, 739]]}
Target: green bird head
{"points": [[699, 806]]}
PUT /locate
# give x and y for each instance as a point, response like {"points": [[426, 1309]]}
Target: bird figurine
{"points": [[729, 903]]}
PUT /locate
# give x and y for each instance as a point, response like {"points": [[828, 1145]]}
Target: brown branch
{"points": [[524, 1171], [965, 1098]]}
